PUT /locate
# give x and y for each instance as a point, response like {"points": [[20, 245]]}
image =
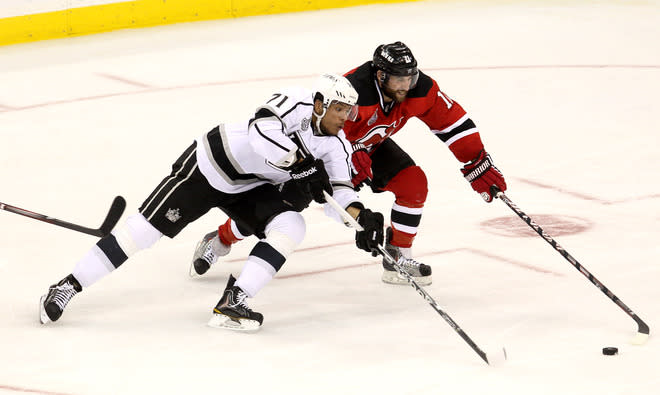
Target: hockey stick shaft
{"points": [[642, 329], [111, 219], [350, 221]]}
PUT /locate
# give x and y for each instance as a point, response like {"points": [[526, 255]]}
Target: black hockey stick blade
{"points": [[111, 219], [114, 214], [642, 328]]}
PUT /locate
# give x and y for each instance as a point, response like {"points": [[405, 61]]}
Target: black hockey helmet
{"points": [[396, 59]]}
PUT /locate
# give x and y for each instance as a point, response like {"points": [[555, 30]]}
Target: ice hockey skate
{"points": [[53, 303], [420, 272], [233, 312], [207, 252]]}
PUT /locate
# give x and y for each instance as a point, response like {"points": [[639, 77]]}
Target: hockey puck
{"points": [[610, 351]]}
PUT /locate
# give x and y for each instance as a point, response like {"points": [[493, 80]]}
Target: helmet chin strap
{"points": [[318, 121]]}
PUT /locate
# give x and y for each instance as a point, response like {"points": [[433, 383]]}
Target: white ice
{"points": [[565, 94]]}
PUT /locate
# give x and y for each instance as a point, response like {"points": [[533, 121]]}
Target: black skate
{"points": [[420, 272], [53, 303], [232, 311], [206, 253]]}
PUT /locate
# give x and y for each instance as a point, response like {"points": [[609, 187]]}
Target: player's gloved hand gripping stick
{"points": [[493, 358], [361, 164], [311, 177], [481, 173]]}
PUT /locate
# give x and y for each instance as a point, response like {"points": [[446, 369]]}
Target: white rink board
{"points": [[565, 96]]}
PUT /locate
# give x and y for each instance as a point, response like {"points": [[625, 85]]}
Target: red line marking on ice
{"points": [[30, 391], [511, 261], [632, 199], [557, 66], [152, 90], [334, 269], [300, 250], [587, 197], [450, 251], [124, 80], [277, 78], [562, 190]]}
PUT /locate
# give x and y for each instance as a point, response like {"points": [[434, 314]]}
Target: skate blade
{"points": [[224, 322], [395, 278], [43, 317], [192, 272]]}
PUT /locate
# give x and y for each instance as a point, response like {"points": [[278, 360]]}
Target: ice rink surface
{"points": [[565, 94]]}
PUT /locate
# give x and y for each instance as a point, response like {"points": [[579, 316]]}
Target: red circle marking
{"points": [[554, 225]]}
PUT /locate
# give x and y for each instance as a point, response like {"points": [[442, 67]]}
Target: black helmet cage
{"points": [[395, 59]]}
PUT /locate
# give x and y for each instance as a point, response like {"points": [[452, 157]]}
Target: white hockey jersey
{"points": [[237, 157]]}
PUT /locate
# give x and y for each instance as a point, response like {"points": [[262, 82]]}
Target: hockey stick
{"points": [[115, 212], [642, 328], [490, 358]]}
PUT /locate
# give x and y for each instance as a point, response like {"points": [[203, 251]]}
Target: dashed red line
{"points": [[334, 269], [632, 199], [511, 261], [149, 89], [586, 197], [557, 66], [424, 254], [29, 390], [300, 250], [562, 190], [124, 80]]}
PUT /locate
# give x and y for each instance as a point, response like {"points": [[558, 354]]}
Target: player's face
{"points": [[396, 87], [336, 116]]}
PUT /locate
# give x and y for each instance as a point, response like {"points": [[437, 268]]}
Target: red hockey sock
{"points": [[402, 239], [226, 235]]}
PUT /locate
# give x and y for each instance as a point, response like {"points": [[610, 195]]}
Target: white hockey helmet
{"points": [[331, 88]]}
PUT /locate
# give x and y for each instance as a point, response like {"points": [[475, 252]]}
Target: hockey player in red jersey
{"points": [[391, 91]]}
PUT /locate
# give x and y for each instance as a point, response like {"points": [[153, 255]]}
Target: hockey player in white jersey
{"points": [[295, 139]]}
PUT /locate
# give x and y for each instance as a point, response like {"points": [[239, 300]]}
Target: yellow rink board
{"points": [[141, 13]]}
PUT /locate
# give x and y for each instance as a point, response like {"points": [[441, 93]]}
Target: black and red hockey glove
{"points": [[482, 174], [361, 165]]}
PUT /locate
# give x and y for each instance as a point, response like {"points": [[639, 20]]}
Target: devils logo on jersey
{"points": [[379, 133]]}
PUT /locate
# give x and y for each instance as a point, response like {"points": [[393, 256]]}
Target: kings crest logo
{"points": [[304, 124], [173, 214], [373, 118]]}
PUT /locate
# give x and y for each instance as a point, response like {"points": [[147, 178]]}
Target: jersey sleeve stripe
{"points": [[464, 129], [223, 161], [300, 103], [453, 126], [340, 185], [461, 135], [275, 143]]}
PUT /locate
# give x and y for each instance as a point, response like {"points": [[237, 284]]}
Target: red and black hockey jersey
{"points": [[376, 121]]}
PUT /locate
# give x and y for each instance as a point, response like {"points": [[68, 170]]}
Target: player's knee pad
{"points": [[285, 232], [410, 187], [136, 234]]}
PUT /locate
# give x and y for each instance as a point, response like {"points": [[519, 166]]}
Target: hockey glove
{"points": [[361, 165], [372, 235], [295, 196], [311, 177], [482, 174]]}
